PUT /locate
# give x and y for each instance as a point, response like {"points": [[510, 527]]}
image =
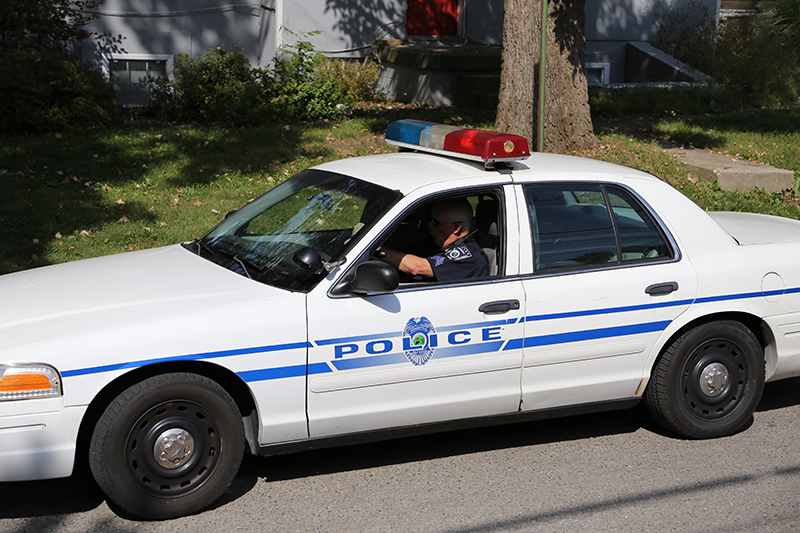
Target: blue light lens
{"points": [[407, 130]]}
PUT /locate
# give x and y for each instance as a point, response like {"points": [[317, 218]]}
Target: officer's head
{"points": [[450, 220]]}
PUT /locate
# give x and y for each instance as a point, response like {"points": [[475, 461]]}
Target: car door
{"points": [[607, 280], [427, 352]]}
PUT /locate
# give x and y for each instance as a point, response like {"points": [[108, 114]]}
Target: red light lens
{"points": [[486, 144]]}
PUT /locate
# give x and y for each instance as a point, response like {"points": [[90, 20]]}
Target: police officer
{"points": [[459, 257]]}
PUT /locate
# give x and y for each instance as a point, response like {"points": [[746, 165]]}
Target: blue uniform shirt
{"points": [[461, 260]]}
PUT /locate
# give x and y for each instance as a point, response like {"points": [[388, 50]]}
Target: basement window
{"points": [[598, 74], [131, 75]]}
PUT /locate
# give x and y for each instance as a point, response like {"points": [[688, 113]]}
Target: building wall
{"points": [[177, 26], [347, 28], [610, 24]]}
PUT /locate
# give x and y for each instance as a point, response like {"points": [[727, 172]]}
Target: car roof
{"points": [[407, 171]]}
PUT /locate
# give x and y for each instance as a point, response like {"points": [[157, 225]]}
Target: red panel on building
{"points": [[432, 17]]}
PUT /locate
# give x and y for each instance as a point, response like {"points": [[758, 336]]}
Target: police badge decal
{"points": [[419, 340]]}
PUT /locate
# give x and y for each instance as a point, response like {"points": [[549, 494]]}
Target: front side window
{"points": [[316, 209], [587, 225], [460, 237]]}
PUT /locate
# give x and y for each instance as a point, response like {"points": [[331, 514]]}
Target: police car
{"points": [[285, 328]]}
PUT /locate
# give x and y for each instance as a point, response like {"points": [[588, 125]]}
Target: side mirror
{"points": [[309, 258], [375, 277]]}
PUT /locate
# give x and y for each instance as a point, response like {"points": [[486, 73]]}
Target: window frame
{"points": [[675, 254], [109, 58], [497, 190]]}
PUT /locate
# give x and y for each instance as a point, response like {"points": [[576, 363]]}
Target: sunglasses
{"points": [[436, 223]]}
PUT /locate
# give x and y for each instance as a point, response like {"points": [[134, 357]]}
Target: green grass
{"points": [[78, 195], [769, 136], [649, 157]]}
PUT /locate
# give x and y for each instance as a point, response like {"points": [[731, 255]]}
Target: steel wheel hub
{"points": [[713, 379], [173, 448]]}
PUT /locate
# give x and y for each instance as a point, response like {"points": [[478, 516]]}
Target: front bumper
{"points": [[38, 439]]}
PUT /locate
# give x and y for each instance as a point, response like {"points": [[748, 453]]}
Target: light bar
{"points": [[475, 145]]}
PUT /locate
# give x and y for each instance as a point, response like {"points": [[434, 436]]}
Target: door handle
{"points": [[499, 307], [660, 289]]}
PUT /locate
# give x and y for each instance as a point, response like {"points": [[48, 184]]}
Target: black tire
{"points": [[168, 446], [708, 382]]}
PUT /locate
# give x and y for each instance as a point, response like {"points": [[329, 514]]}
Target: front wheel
{"points": [[708, 382], [167, 446]]}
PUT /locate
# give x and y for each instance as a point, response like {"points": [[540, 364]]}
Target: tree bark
{"points": [[567, 120]]}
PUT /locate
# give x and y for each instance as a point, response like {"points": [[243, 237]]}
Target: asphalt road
{"points": [[613, 471]]}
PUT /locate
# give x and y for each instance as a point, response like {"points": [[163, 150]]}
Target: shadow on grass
{"points": [[782, 120], [377, 120], [56, 188], [704, 131]]}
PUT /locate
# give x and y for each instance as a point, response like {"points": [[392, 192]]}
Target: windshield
{"points": [[315, 208]]}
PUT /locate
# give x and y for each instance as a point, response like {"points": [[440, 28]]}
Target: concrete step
{"points": [[732, 173]]}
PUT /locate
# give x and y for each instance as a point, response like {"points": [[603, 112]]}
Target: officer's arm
{"points": [[408, 263]]}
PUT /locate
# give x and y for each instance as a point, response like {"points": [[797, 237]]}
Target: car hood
{"points": [[753, 228], [59, 300]]}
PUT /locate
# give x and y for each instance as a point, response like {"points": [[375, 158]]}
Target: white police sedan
{"points": [[282, 329]]}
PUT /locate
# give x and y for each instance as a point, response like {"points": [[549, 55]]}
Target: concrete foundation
{"points": [[440, 74]]}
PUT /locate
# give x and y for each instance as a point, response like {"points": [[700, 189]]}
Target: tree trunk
{"points": [[567, 122]]}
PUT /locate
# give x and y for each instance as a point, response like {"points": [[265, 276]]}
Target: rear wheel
{"points": [[168, 446], [708, 382]]}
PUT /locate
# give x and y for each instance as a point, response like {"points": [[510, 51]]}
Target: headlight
{"points": [[21, 382]]}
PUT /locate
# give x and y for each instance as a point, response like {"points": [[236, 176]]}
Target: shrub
{"points": [[305, 89], [314, 99], [755, 63], [219, 86], [358, 79], [44, 91], [783, 16]]}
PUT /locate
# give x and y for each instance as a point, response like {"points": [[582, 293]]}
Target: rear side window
{"points": [[587, 225]]}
